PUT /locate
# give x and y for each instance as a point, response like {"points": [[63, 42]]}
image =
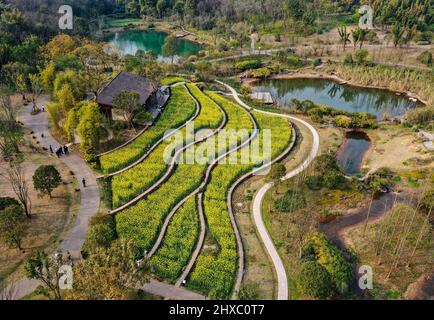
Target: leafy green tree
{"points": [[48, 75], [40, 266], [179, 8], [129, 103], [13, 226], [46, 179], [71, 123], [360, 56], [161, 7], [170, 47], [89, 128]]}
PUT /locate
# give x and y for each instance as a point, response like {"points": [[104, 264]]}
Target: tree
{"points": [[161, 7], [16, 177], [355, 35], [20, 82], [71, 123], [107, 274], [11, 134], [46, 179], [315, 281], [170, 47], [48, 75], [12, 226], [46, 269], [397, 34], [344, 35], [179, 9], [94, 60], [129, 103], [36, 89], [89, 128], [66, 98]]}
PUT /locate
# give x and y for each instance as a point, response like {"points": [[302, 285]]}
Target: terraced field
{"points": [[143, 221], [216, 269], [132, 182], [178, 243], [179, 109]]}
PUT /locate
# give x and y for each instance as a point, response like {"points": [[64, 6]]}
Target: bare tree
{"points": [[8, 110], [419, 238], [16, 177]]}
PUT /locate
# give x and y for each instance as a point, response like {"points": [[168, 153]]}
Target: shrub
{"points": [[290, 202], [260, 73], [317, 62], [425, 58], [245, 90], [249, 292], [248, 64], [7, 202], [315, 281], [348, 58], [320, 249], [360, 56], [334, 179], [314, 183], [343, 121]]}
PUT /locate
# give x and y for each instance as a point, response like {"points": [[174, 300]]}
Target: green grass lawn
{"points": [[115, 23]]}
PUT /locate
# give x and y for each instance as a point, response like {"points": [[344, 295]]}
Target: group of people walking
{"points": [[62, 150]]}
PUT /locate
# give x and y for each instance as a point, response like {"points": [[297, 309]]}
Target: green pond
{"points": [[342, 97], [129, 42]]}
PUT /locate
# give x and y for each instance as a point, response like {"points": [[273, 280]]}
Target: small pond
{"points": [[342, 97], [129, 42], [352, 152]]}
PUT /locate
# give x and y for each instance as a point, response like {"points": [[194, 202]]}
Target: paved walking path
{"points": [[170, 292], [282, 278], [89, 200]]}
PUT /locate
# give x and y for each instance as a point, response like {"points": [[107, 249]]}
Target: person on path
{"points": [[65, 149], [51, 149], [84, 182]]}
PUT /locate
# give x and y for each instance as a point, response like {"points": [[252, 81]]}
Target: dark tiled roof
{"points": [[125, 82]]}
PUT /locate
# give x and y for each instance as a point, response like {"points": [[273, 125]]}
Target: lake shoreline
{"points": [[333, 77]]}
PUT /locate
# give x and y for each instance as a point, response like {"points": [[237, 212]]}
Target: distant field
{"points": [[124, 22]]}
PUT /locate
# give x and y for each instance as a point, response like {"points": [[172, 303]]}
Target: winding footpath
{"points": [[89, 200], [282, 278]]}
